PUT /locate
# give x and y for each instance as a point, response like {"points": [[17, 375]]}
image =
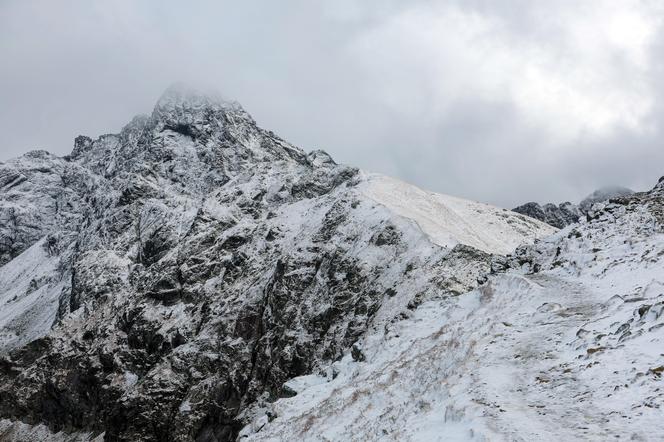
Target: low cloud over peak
{"points": [[501, 102]]}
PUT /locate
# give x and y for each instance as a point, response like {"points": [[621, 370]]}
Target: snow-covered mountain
{"points": [[172, 281]]}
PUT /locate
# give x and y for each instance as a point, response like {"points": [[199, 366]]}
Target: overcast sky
{"points": [[499, 101]]}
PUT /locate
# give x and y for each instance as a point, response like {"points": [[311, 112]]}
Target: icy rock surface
{"points": [[563, 342], [167, 282]]}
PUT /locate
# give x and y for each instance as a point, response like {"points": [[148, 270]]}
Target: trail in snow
{"points": [[489, 367], [526, 370]]}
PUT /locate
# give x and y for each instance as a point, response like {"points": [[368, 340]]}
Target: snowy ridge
{"points": [[603, 194], [567, 213], [449, 221]]}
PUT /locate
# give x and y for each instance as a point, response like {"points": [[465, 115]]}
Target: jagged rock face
{"points": [[564, 214], [557, 216], [163, 282], [40, 193], [639, 215]]}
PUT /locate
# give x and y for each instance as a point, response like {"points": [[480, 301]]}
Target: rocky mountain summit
{"points": [[567, 213], [169, 281]]}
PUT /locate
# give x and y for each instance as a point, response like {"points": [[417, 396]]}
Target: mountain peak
{"points": [[182, 106], [181, 95]]}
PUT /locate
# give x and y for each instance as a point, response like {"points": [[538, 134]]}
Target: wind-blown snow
{"points": [[196, 256]]}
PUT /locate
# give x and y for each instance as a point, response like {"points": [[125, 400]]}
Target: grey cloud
{"points": [[305, 70]]}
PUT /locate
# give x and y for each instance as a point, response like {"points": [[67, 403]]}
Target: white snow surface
{"points": [[448, 220], [573, 351]]}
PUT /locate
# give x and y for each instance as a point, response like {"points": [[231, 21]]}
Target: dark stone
{"points": [[357, 354]]}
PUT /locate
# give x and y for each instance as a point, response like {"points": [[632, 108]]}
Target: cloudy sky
{"points": [[500, 101]]}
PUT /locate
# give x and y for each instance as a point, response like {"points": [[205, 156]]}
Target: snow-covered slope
{"points": [[164, 283], [449, 221], [564, 342]]}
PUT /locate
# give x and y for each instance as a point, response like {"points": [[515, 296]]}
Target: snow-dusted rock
{"points": [[567, 213], [603, 194], [559, 216]]}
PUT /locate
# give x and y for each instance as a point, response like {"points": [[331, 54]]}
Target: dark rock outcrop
{"points": [[567, 213], [558, 216]]}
